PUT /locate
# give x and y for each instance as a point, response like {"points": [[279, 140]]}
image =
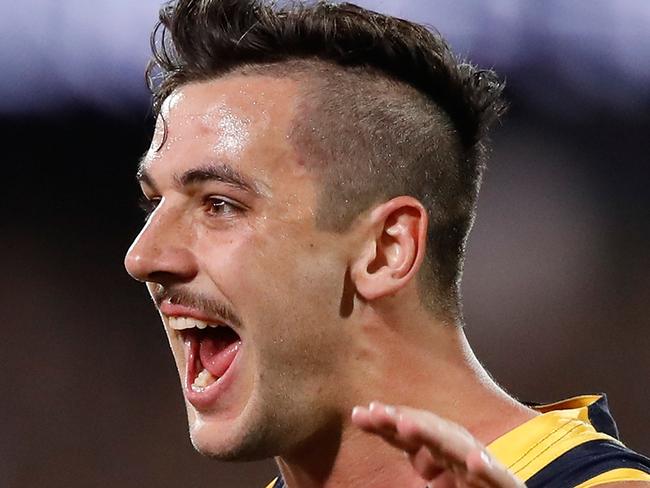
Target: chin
{"points": [[230, 440]]}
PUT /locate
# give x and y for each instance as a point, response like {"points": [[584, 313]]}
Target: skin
{"points": [[441, 452], [327, 321], [256, 258]]}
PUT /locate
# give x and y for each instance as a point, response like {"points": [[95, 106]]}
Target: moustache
{"points": [[210, 306]]}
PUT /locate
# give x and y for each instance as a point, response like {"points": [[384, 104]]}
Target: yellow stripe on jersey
{"points": [[567, 445], [562, 426], [534, 444]]}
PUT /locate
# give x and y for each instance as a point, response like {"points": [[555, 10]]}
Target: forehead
{"points": [[255, 97], [244, 121]]}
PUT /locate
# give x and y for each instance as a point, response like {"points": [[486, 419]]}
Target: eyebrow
{"points": [[222, 172]]}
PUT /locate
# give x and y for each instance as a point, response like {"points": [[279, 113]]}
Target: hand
{"points": [[440, 451]]}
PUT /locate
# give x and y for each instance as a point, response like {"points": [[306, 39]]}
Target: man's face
{"points": [[232, 242]]}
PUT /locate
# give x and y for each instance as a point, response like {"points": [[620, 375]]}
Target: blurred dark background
{"points": [[557, 289]]}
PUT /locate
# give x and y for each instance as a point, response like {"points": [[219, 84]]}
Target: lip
{"points": [[173, 310], [207, 399]]}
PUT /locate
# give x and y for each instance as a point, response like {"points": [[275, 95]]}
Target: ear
{"points": [[394, 250]]}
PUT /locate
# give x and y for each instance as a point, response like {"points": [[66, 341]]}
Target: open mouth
{"points": [[211, 350]]}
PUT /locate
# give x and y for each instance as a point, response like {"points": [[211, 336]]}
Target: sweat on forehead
{"points": [[241, 122], [228, 107], [241, 93]]}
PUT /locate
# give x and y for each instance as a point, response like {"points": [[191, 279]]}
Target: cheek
{"points": [[294, 273], [297, 301], [288, 295], [275, 276]]}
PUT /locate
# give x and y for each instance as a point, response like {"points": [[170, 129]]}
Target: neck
{"points": [[434, 370]]}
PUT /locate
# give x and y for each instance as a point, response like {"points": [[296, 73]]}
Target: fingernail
{"points": [[486, 459], [390, 410]]}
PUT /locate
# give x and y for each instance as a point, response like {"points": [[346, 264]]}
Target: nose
{"points": [[160, 253]]}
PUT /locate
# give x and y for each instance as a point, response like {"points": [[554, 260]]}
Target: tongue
{"points": [[218, 348]]}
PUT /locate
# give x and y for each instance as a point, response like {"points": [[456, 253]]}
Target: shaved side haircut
{"points": [[386, 109]]}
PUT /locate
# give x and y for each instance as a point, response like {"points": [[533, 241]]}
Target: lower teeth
{"points": [[203, 380]]}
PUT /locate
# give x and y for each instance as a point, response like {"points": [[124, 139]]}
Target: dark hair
{"points": [[388, 109]]}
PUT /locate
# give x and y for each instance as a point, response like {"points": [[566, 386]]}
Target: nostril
{"points": [[166, 278]]}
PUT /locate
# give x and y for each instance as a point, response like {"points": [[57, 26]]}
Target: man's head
{"points": [[387, 109], [306, 162]]}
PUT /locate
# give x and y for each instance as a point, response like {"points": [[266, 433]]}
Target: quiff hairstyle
{"points": [[387, 109]]}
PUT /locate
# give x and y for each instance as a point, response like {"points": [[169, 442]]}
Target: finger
{"points": [[436, 448], [381, 419], [443, 438], [480, 466], [376, 419], [361, 417], [407, 429], [451, 448], [425, 464]]}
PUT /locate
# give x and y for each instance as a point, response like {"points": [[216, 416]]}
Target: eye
{"points": [[222, 207], [148, 205]]}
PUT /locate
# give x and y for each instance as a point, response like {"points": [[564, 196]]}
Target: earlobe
{"points": [[395, 249]]}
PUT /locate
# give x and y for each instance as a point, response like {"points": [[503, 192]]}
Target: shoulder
{"points": [[573, 443], [597, 462]]}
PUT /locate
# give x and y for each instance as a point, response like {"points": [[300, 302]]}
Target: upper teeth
{"points": [[182, 323]]}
